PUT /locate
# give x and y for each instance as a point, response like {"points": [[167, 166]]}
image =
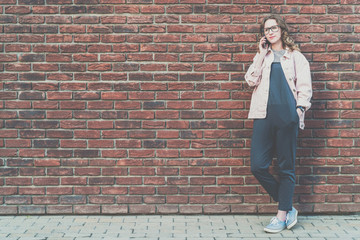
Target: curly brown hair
{"points": [[285, 38]]}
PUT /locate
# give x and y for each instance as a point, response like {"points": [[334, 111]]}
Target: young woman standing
{"points": [[282, 80]]}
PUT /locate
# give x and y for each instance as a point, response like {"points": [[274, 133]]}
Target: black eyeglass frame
{"points": [[267, 30]]}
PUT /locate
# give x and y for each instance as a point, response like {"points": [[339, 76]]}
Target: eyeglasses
{"points": [[274, 28]]}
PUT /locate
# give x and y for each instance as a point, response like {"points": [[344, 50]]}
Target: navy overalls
{"points": [[276, 134]]}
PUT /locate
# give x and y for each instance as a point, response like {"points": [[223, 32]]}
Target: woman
{"points": [[282, 80]]}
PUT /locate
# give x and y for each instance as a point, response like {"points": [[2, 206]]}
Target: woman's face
{"points": [[272, 31]]}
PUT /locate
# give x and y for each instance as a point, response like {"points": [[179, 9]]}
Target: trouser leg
{"points": [[261, 154], [286, 155]]}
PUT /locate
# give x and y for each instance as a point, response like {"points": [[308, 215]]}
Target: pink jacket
{"points": [[297, 72]]}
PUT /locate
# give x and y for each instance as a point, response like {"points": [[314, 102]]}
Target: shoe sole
{"points": [[293, 223], [272, 230]]}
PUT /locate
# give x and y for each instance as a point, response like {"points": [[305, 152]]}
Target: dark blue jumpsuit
{"points": [[276, 134]]}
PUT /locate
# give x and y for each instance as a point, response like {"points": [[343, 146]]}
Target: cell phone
{"points": [[266, 43]]}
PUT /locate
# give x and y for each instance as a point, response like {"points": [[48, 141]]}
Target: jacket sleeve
{"points": [[303, 82], [253, 75]]}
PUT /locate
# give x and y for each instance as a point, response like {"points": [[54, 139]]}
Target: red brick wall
{"points": [[140, 106]]}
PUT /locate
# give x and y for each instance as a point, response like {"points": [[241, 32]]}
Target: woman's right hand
{"points": [[263, 43]]}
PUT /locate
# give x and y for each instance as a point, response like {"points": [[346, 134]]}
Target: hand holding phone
{"points": [[264, 44]]}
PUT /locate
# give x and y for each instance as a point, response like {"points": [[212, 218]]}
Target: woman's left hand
{"points": [[299, 112]]}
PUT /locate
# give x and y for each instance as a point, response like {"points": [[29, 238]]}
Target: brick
{"points": [[202, 180], [129, 181], [348, 189], [59, 210], [216, 171], [18, 181], [340, 179], [73, 181], [203, 144], [313, 180], [141, 153], [83, 209], [142, 171], [230, 181], [142, 190], [167, 209], [339, 198], [216, 209], [8, 190], [167, 171], [136, 209], [31, 209], [177, 180], [47, 163], [59, 190], [216, 190], [190, 209], [8, 210], [114, 171], [255, 9], [190, 171], [149, 124], [154, 199], [72, 199], [31, 191], [154, 144], [114, 209], [75, 162], [87, 190], [201, 199], [17, 200], [46, 181], [326, 189], [167, 153], [101, 200], [8, 172], [101, 180], [45, 200]]}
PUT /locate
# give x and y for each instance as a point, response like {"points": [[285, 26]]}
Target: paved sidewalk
{"points": [[174, 227]]}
